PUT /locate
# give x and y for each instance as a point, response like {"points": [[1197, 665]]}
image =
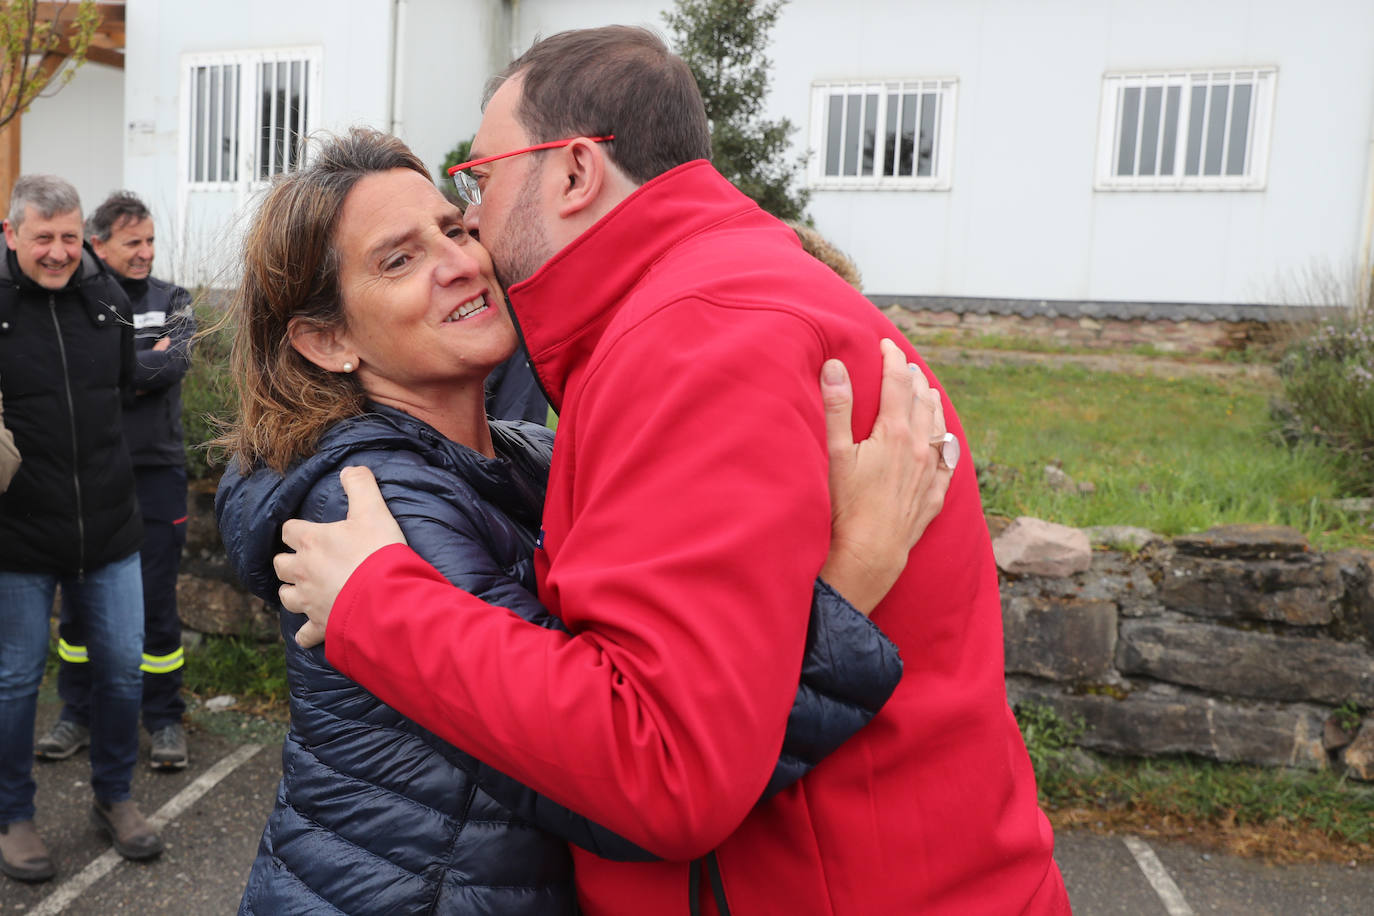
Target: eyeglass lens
{"points": [[467, 188]]}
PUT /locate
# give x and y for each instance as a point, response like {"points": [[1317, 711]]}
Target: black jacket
{"points": [[66, 371], [152, 426]]}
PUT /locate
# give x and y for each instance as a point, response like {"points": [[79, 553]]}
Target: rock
{"points": [[1120, 536], [214, 606], [1244, 541], [996, 525], [1243, 663], [1056, 479], [1359, 505], [1063, 640], [1358, 756], [1302, 589], [1159, 721], [202, 531], [1080, 763], [220, 703], [1112, 577], [1032, 546], [1334, 737], [1357, 569]]}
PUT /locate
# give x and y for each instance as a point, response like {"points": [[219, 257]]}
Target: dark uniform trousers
{"points": [[162, 498]]}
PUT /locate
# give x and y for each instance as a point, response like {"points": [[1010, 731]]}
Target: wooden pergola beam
{"points": [[107, 56], [111, 14], [107, 47]]}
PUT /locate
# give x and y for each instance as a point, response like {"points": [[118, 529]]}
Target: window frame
{"points": [[1254, 176], [248, 121], [947, 91]]}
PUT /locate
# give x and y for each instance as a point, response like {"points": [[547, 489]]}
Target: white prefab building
{"points": [[1160, 151]]}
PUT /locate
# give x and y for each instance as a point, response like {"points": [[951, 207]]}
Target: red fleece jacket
{"points": [[681, 340]]}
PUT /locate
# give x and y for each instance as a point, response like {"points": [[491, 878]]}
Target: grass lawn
{"points": [[1170, 454], [1279, 815]]}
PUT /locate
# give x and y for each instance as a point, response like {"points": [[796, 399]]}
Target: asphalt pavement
{"points": [[215, 809]]}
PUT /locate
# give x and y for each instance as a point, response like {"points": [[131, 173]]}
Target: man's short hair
{"points": [[119, 207], [47, 194], [617, 80]]}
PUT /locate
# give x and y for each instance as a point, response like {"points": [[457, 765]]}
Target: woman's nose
{"points": [[458, 263]]}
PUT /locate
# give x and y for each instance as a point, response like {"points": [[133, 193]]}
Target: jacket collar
{"points": [[98, 297], [565, 306], [136, 289], [252, 504]]}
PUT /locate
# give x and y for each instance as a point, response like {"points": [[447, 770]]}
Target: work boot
{"points": [[65, 739], [169, 748], [23, 855], [133, 836]]}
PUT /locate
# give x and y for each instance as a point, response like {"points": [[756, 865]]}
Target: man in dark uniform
{"points": [[121, 232]]}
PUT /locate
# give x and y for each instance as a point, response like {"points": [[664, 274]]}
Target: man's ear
{"points": [[10, 238], [98, 247], [584, 166], [322, 345]]}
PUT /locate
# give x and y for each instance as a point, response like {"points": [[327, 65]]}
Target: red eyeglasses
{"points": [[470, 190]]}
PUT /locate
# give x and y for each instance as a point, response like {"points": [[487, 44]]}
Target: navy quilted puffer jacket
{"points": [[376, 815]]}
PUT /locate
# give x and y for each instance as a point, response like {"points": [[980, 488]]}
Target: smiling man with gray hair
{"points": [[69, 517]]}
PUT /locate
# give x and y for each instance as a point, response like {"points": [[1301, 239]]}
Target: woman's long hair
{"points": [[291, 270]]}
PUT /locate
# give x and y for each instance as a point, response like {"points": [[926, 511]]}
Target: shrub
{"points": [[253, 672], [206, 392], [1328, 391], [1050, 741]]}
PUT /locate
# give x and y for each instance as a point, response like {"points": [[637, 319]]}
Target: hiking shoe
{"points": [[133, 837], [23, 855], [65, 739], [169, 748]]}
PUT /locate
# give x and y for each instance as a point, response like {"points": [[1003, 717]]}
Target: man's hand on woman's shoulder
{"points": [[325, 555]]}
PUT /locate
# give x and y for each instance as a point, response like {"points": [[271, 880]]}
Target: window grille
{"points": [[214, 120], [246, 113], [1195, 130], [893, 134]]}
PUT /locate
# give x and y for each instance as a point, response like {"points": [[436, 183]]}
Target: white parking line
{"points": [[79, 883], [1158, 876]]}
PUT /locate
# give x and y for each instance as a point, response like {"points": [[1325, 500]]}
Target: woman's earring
{"points": [[348, 367]]}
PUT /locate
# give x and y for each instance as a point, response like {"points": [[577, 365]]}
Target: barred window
{"points": [[890, 134], [214, 98], [246, 113], [1196, 130], [283, 107]]}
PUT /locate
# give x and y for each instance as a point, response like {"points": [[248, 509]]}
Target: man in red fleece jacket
{"points": [[684, 525]]}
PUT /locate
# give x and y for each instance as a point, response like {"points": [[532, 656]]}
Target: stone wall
{"points": [[1183, 328], [1239, 644], [209, 596], [1093, 333]]}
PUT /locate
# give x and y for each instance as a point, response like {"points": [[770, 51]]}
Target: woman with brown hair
{"points": [[367, 322]]}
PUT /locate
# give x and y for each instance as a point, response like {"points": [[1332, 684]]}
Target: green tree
{"points": [[34, 39], [454, 156], [724, 42]]}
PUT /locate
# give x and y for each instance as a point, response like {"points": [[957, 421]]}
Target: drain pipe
{"points": [[1365, 255], [397, 100], [514, 37]]}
